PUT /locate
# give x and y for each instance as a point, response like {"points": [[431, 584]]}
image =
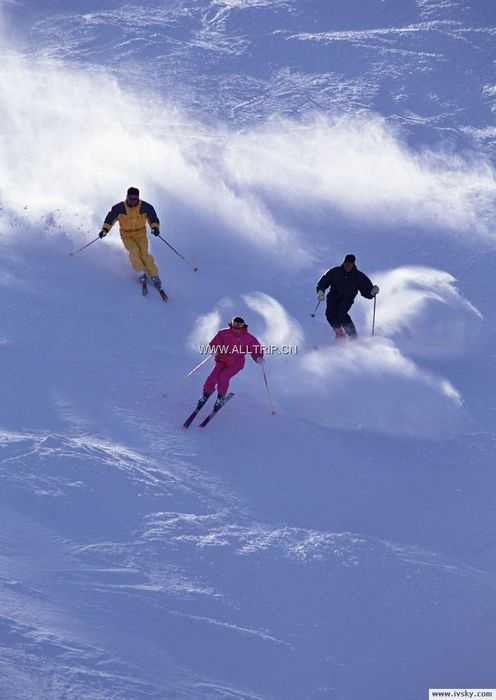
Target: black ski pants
{"points": [[337, 314]]}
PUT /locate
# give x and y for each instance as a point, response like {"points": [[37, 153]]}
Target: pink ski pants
{"points": [[220, 377]]}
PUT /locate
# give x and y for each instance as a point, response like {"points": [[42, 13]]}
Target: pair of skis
{"points": [[213, 412], [144, 289]]}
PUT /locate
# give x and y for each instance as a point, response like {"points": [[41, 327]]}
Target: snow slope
{"points": [[343, 548]]}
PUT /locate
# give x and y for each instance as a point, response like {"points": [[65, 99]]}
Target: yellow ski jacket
{"points": [[131, 220]]}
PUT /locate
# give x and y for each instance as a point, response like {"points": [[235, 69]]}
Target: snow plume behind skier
{"points": [[230, 345], [345, 281]]}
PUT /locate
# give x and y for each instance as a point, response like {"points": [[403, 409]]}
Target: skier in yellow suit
{"points": [[132, 215]]}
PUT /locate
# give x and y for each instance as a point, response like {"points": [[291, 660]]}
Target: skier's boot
{"points": [[340, 333], [202, 401], [143, 280], [220, 401], [156, 282], [350, 330]]}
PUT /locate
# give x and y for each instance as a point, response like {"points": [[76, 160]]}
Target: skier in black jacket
{"points": [[345, 281]]}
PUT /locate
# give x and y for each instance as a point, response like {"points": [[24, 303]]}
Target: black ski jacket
{"points": [[345, 285]]}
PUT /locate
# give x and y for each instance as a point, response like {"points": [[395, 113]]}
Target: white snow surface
{"points": [[344, 547]]}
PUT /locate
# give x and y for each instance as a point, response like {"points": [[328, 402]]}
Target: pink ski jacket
{"points": [[230, 347]]}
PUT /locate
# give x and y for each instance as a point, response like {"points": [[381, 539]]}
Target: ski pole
{"points": [[197, 367], [192, 371], [373, 316], [75, 252], [271, 403], [315, 310], [195, 269]]}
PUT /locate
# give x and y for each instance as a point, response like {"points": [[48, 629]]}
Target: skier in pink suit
{"points": [[230, 346]]}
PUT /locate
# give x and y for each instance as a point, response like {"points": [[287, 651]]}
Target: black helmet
{"points": [[238, 322]]}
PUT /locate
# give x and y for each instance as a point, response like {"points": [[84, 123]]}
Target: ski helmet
{"points": [[238, 322]]}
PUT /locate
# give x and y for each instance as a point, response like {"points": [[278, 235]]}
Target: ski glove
{"points": [[321, 295], [102, 233], [374, 290], [156, 231]]}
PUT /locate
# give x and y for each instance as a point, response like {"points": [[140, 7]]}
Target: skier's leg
{"points": [[332, 312], [146, 259], [134, 253], [333, 317], [212, 378], [349, 327], [225, 377]]}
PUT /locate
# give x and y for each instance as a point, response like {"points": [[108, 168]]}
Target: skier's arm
{"points": [[215, 343], [112, 216], [255, 350], [151, 216], [324, 282], [365, 287]]}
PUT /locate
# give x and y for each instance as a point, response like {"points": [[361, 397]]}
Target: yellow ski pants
{"points": [[136, 244]]}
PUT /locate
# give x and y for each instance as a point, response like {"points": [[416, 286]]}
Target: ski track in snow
{"points": [[150, 569], [175, 39], [259, 559]]}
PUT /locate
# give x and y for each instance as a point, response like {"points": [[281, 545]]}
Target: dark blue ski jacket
{"points": [[345, 285]]}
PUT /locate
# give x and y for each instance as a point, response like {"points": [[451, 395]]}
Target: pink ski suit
{"points": [[230, 347]]}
